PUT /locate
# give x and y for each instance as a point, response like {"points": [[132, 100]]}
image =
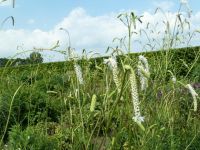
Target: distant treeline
{"points": [[34, 58]]}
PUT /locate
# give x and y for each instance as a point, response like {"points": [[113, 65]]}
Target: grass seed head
{"points": [[93, 103], [78, 73], [194, 95]]}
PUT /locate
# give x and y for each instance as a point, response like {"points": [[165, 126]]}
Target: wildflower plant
{"points": [[194, 95], [135, 96], [143, 72], [144, 62], [72, 55], [192, 92], [78, 71], [112, 64]]}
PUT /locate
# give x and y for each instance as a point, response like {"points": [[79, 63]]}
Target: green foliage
{"points": [[52, 111], [43, 106], [35, 58], [31, 138]]}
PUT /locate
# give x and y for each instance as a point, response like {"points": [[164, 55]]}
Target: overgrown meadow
{"points": [[125, 101]]}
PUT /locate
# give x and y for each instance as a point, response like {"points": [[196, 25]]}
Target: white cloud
{"points": [[86, 32], [91, 32], [165, 5]]}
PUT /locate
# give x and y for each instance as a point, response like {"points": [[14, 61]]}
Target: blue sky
{"points": [[39, 20], [48, 13]]}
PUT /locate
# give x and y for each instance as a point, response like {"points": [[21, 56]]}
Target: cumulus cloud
{"points": [[86, 32], [91, 32]]}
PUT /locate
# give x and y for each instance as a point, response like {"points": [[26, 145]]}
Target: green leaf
{"points": [[141, 126]]}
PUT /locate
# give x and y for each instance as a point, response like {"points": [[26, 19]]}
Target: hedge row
{"points": [[182, 62]]}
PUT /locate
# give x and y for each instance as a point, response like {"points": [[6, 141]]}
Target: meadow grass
{"points": [[47, 108], [96, 105]]}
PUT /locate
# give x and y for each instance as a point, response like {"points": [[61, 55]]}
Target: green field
{"points": [[125, 101], [44, 106]]}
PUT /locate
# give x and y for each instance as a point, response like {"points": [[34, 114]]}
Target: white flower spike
{"points": [[144, 61], [112, 63], [78, 73], [194, 95], [143, 72], [135, 98]]}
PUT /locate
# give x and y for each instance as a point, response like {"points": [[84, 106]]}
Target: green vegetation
{"points": [[127, 101], [44, 107], [34, 58]]}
